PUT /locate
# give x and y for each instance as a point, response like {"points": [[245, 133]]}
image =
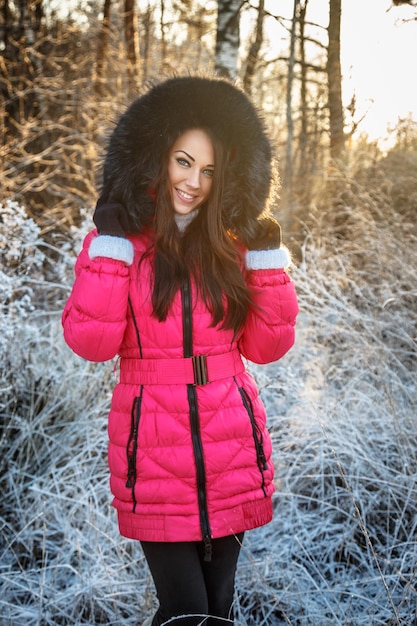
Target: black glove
{"points": [[111, 218], [267, 236]]}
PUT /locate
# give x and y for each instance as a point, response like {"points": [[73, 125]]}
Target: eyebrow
{"points": [[189, 155], [191, 158]]}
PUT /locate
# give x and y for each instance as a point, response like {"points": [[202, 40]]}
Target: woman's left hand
{"points": [[268, 235]]}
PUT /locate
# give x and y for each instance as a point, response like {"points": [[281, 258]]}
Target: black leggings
{"points": [[188, 585]]}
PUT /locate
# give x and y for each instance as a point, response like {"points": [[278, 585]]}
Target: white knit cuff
{"points": [[278, 258], [117, 248]]}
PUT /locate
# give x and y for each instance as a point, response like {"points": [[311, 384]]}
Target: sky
{"points": [[379, 56], [378, 51]]}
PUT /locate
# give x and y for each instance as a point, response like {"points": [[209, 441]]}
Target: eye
{"points": [[209, 173], [183, 162]]}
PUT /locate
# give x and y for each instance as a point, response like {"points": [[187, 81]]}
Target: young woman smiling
{"points": [[184, 276]]}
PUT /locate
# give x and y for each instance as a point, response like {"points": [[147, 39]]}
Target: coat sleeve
{"points": [[269, 329], [95, 315]]}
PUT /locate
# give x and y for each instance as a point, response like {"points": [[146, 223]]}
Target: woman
{"points": [[181, 279]]}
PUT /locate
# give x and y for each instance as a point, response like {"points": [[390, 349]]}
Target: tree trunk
{"points": [[254, 49], [28, 63], [103, 43], [147, 17], [37, 9], [334, 78], [227, 38], [288, 173], [303, 141], [131, 38], [7, 22], [164, 60]]}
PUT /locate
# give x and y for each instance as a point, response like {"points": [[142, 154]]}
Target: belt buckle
{"points": [[200, 370]]}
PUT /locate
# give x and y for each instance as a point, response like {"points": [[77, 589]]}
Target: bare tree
{"points": [[131, 37], [254, 48], [199, 21], [20, 61], [334, 78], [102, 46], [227, 37], [163, 38], [145, 39], [399, 3], [6, 19], [304, 113], [288, 173]]}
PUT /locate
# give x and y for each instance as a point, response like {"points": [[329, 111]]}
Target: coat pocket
{"points": [[256, 434], [132, 445]]}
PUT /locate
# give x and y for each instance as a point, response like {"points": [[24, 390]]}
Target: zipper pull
{"points": [[208, 549], [130, 472], [130, 475]]}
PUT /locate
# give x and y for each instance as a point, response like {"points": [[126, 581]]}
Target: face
{"points": [[190, 170]]}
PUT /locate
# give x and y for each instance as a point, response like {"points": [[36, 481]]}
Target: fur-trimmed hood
{"points": [[152, 123]]}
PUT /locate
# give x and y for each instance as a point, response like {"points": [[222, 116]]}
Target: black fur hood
{"points": [[152, 123]]}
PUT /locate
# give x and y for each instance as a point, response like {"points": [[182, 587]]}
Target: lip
{"points": [[184, 196]]}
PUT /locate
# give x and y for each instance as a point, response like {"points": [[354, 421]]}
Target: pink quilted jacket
{"points": [[188, 460]]}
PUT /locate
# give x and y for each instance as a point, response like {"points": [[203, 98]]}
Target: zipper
{"points": [[195, 423], [132, 312], [132, 446], [257, 435], [132, 442]]}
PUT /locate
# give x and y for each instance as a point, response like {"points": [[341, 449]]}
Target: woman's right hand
{"points": [[111, 218]]}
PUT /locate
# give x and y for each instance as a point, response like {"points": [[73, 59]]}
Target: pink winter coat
{"points": [[188, 461]]}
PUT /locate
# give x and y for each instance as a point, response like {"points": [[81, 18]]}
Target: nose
{"points": [[193, 178]]}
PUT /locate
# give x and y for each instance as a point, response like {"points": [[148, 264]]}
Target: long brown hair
{"points": [[205, 251]]}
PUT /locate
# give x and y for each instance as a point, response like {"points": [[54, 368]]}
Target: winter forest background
{"points": [[342, 549]]}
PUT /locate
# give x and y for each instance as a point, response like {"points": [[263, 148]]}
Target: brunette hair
{"points": [[206, 251]]}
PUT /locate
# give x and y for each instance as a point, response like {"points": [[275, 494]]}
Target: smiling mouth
{"points": [[185, 196]]}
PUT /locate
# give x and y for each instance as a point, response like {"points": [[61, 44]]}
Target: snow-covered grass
{"points": [[342, 549]]}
